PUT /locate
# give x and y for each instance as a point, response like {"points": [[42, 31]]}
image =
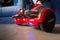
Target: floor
{"points": [[16, 32]]}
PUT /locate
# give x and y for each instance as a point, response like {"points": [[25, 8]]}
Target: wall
{"points": [[6, 13], [11, 10], [57, 10]]}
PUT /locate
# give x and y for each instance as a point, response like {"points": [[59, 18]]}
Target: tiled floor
{"points": [[15, 32]]}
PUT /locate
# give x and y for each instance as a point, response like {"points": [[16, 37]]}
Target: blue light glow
{"points": [[30, 23]]}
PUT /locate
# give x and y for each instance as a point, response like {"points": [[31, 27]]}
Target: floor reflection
{"points": [[28, 33], [15, 32]]}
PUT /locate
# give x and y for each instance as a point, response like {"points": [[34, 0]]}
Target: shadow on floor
{"points": [[56, 30]]}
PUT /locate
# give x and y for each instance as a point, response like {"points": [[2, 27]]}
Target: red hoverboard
{"points": [[44, 19]]}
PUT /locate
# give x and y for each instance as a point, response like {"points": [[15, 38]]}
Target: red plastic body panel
{"points": [[33, 21]]}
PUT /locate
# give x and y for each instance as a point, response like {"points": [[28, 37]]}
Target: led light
{"points": [[23, 19], [30, 23], [18, 19], [31, 20]]}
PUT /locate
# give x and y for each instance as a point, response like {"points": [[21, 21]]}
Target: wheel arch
{"points": [[44, 13]]}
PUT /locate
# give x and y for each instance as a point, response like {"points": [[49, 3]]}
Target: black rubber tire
{"points": [[47, 26]]}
